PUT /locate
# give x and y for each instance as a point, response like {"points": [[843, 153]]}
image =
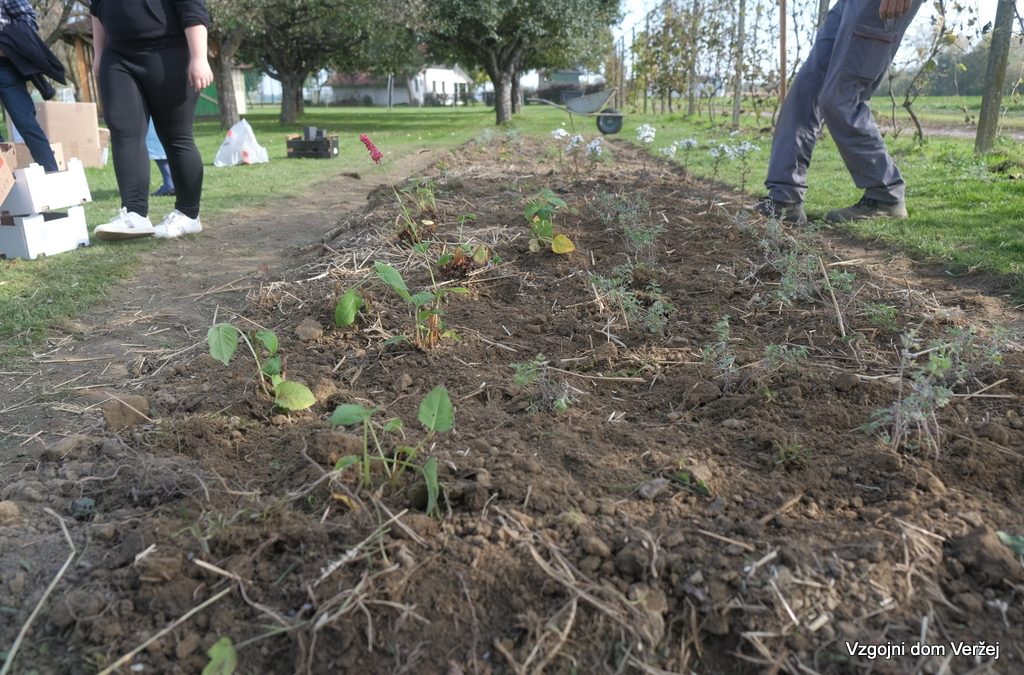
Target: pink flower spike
{"points": [[375, 154]]}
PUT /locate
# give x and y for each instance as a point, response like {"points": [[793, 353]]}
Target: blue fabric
{"points": [[156, 150], [850, 57], [21, 109], [17, 10]]}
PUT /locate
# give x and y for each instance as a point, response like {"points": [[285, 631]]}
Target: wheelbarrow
{"points": [[609, 120]]}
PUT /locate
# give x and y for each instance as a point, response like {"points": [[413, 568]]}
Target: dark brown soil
{"points": [[632, 507]]}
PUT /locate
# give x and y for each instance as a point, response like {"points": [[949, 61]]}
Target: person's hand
{"points": [[199, 74], [893, 9]]}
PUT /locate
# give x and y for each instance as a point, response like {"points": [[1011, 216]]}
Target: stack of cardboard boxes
{"points": [[31, 220]]}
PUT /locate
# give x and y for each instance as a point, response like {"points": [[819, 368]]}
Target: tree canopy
{"points": [[506, 36]]}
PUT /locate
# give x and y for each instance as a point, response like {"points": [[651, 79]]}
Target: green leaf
{"points": [[390, 276], [347, 309], [223, 341], [269, 340], [422, 298], [223, 658], [293, 396], [276, 380], [422, 247], [393, 424], [1014, 541], [272, 366], [398, 339], [433, 487], [444, 259], [347, 461], [436, 412], [349, 414], [544, 229]]}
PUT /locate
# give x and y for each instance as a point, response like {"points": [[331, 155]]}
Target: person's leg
{"points": [[799, 123], [167, 182], [124, 109], [172, 103], [18, 103], [864, 50]]}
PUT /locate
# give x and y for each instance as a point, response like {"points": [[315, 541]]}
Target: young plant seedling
{"points": [[222, 339], [465, 259], [436, 414], [427, 310], [540, 214]]}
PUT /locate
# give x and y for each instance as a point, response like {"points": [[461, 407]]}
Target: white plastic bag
{"points": [[240, 147]]}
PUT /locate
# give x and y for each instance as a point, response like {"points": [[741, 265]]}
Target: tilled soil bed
{"points": [[670, 454]]}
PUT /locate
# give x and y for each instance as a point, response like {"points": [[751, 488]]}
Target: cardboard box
{"points": [[23, 157], [73, 125], [43, 234], [8, 161], [36, 191]]}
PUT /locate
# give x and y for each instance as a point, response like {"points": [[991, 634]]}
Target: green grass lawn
{"points": [[965, 211], [35, 294]]}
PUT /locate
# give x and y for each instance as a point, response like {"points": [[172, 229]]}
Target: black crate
{"points": [[317, 148]]}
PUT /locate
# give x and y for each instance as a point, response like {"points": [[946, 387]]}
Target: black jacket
{"points": [[146, 25], [31, 57]]}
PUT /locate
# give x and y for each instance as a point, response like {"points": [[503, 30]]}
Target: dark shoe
{"points": [[787, 212], [164, 191], [867, 209]]}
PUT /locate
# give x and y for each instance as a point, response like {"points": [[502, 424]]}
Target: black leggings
{"points": [[138, 85]]}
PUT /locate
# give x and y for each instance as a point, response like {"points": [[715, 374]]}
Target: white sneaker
{"points": [[176, 224], [125, 225]]}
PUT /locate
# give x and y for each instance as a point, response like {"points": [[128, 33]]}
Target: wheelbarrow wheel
{"points": [[609, 121]]}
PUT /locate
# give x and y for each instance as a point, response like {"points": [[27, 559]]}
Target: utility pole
{"points": [[995, 75]]}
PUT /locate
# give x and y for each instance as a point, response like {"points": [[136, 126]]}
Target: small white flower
{"points": [[715, 153], [559, 134], [595, 148], [746, 148], [734, 133], [687, 143], [574, 143], [645, 134], [669, 151]]}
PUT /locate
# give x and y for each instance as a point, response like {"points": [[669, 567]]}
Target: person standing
{"points": [[159, 157], [14, 94], [851, 55], [151, 62]]}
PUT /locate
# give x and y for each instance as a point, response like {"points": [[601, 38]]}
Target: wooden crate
{"points": [[325, 147]]}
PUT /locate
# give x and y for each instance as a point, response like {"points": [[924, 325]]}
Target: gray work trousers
{"points": [[850, 57]]}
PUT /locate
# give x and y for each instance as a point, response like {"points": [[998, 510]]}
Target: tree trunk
{"points": [[995, 75], [502, 97], [516, 92], [291, 96], [223, 76], [737, 95]]}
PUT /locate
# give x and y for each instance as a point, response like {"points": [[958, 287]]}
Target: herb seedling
{"points": [[719, 353], [426, 307], [436, 414], [409, 230], [222, 339], [540, 214]]}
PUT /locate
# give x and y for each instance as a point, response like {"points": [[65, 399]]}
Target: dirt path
{"points": [[97, 360]]}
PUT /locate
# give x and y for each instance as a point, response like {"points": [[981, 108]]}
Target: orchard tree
{"points": [[506, 36], [293, 39], [233, 23]]}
